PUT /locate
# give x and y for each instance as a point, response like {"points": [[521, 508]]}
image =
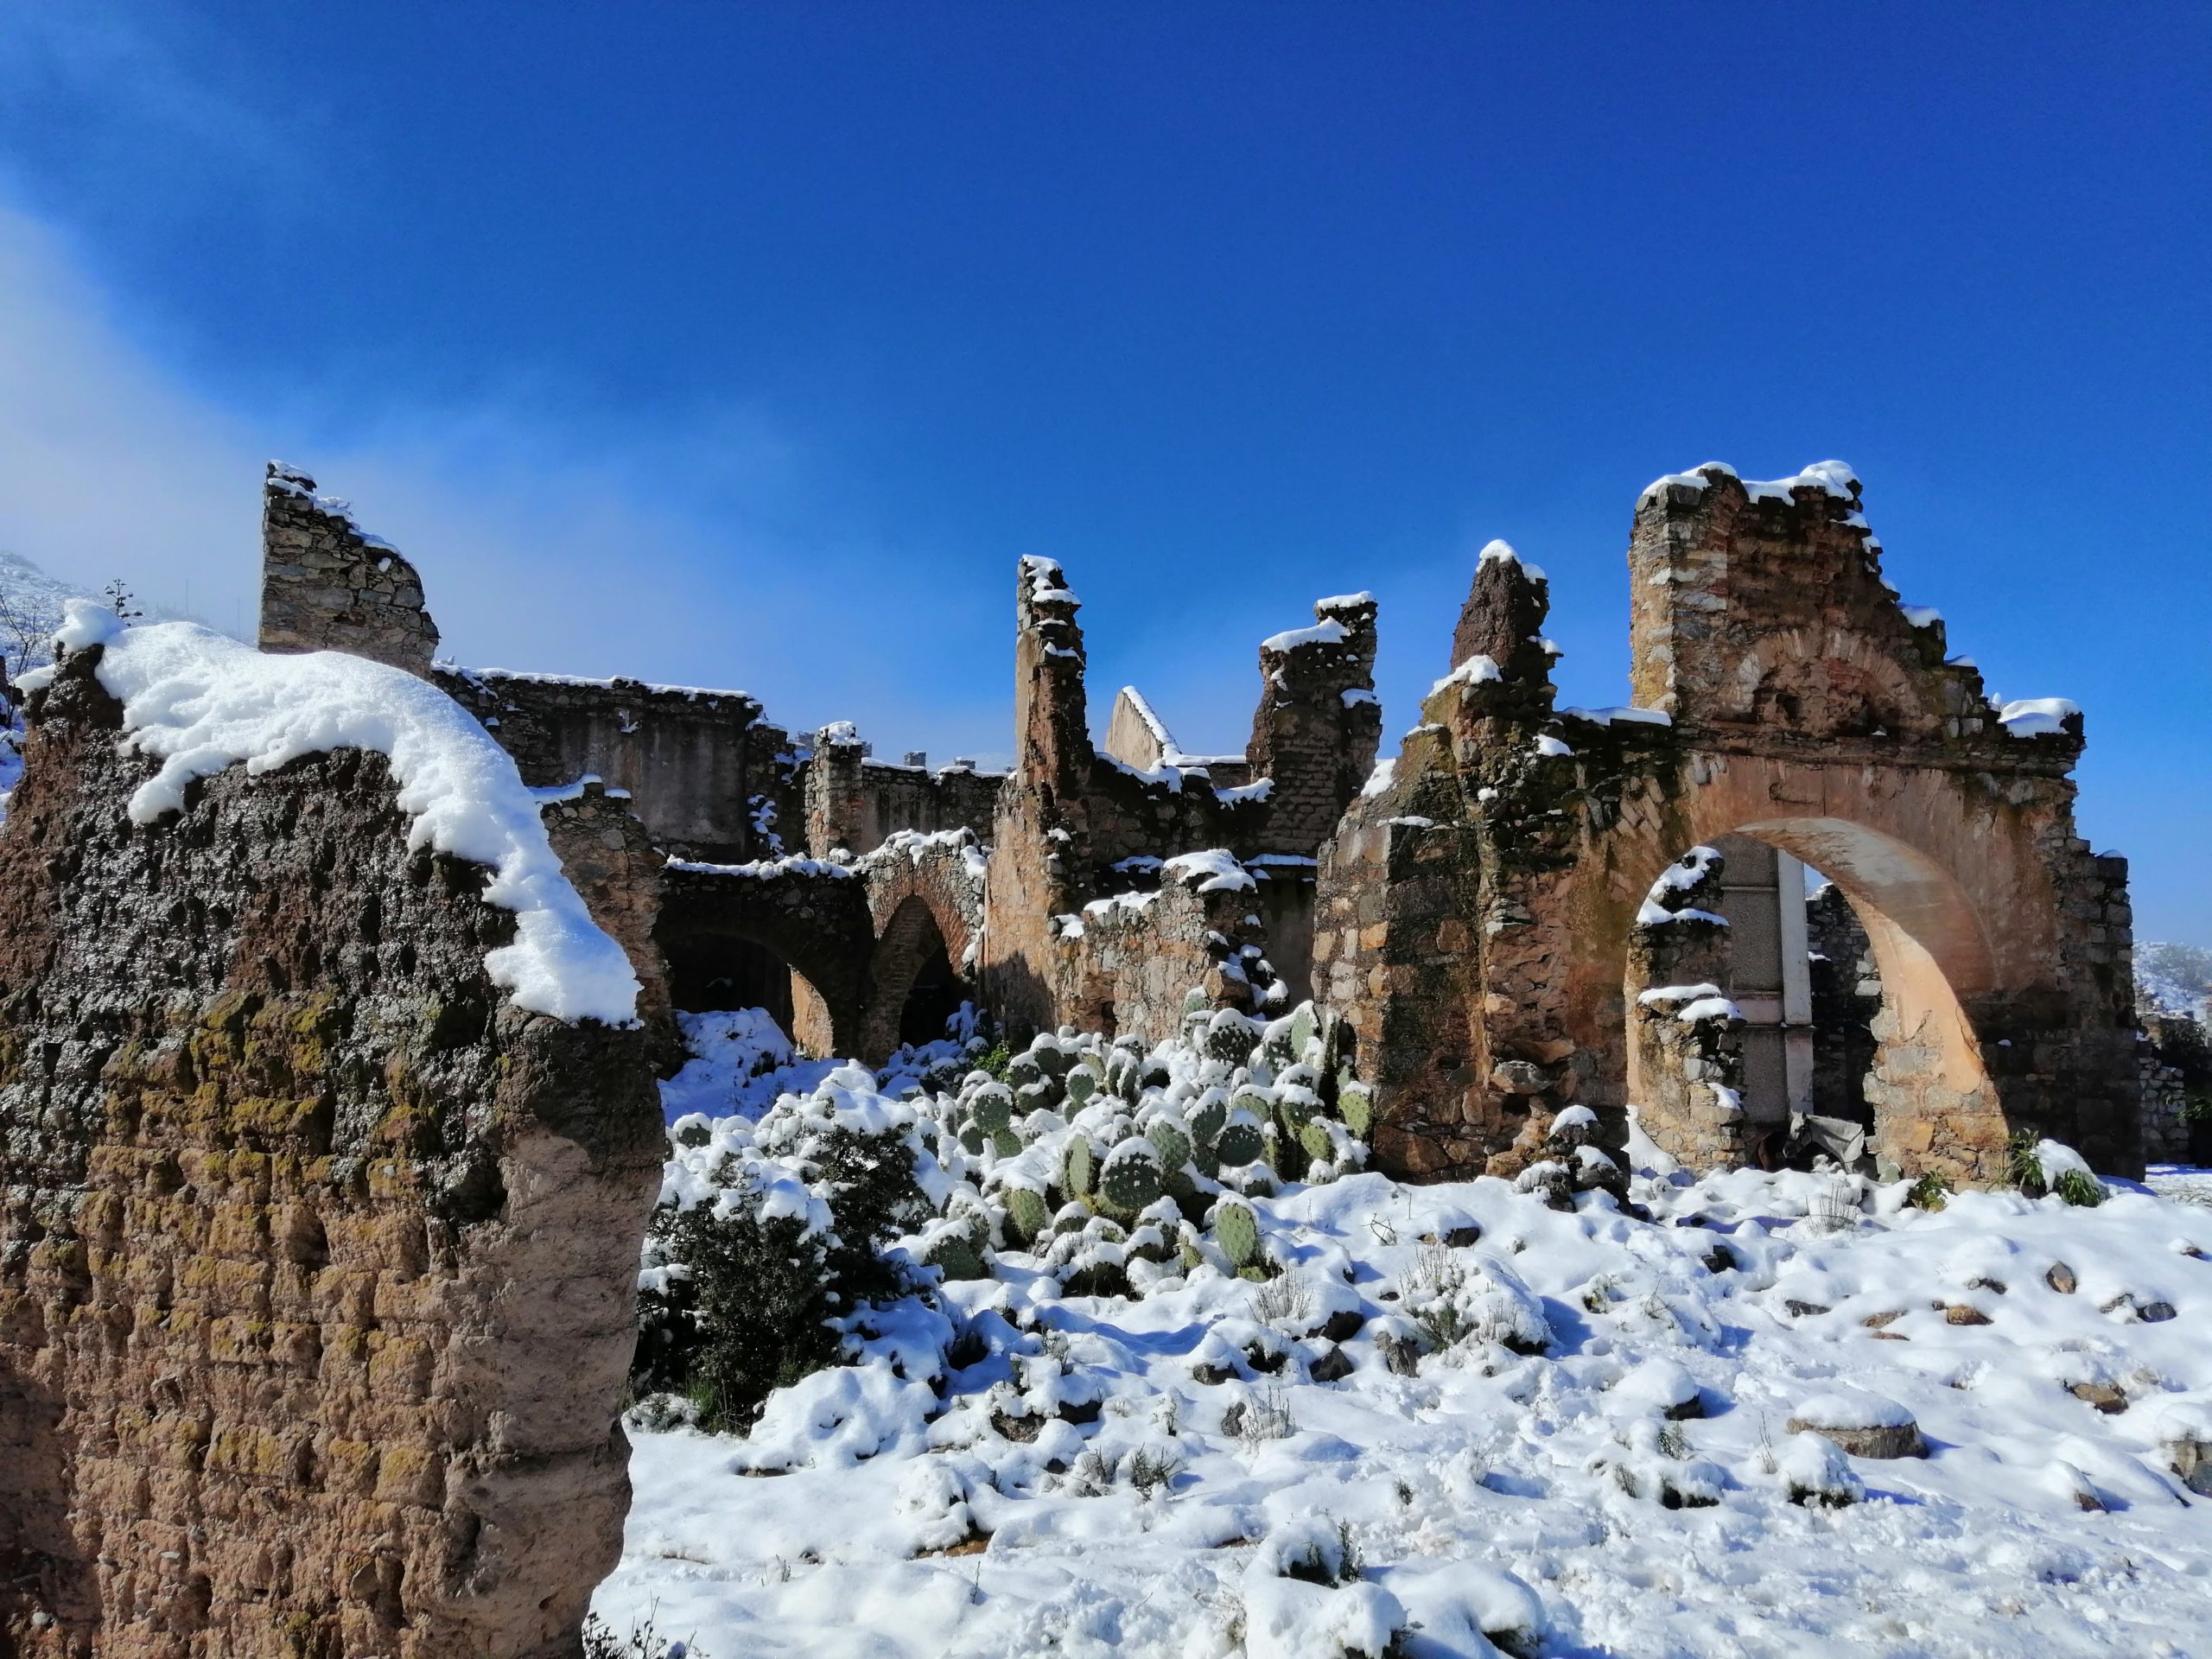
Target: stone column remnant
{"points": [[327, 585]]}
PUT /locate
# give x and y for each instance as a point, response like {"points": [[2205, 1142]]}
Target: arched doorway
{"points": [[1732, 1074], [709, 971], [913, 986]]}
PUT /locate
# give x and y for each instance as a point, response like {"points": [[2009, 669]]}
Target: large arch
{"points": [[1931, 1100], [1956, 904], [1477, 909], [813, 918]]}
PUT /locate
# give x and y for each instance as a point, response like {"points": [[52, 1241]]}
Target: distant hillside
{"points": [[2175, 978], [30, 610]]}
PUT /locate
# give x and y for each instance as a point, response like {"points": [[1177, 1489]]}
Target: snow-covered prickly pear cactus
{"points": [[1236, 1230]]}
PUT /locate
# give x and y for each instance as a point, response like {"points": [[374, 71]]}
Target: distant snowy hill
{"points": [[2172, 978], [30, 610]]}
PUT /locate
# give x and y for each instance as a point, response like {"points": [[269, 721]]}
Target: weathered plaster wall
{"points": [[317, 1259], [688, 759]]}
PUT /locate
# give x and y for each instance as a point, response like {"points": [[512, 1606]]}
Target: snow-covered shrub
{"points": [[767, 1236], [1816, 1471], [2038, 1167], [1304, 1598]]}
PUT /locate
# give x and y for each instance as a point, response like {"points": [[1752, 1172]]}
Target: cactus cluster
{"points": [[1092, 1153]]}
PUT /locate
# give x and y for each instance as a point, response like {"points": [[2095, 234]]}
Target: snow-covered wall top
{"points": [[201, 702]]}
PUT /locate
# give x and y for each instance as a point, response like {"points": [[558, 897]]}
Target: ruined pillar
{"points": [[1041, 860], [1315, 730], [317, 1254], [328, 585], [835, 800]]}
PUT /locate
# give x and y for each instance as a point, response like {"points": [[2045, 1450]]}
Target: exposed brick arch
{"points": [[924, 893], [1477, 914], [814, 916]]}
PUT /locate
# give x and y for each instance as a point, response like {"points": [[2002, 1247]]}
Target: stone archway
{"points": [[925, 906], [912, 983], [813, 920], [1930, 1100], [1476, 912]]}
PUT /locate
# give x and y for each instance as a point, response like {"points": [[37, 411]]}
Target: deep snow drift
{"points": [[1593, 1454]]}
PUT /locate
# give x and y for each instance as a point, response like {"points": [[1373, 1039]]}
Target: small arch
{"points": [[913, 984], [716, 969]]}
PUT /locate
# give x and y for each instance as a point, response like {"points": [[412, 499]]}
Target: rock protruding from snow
{"points": [[1865, 1425]]}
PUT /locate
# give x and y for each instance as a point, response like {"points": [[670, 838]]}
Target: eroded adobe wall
{"points": [[326, 585], [317, 1259]]}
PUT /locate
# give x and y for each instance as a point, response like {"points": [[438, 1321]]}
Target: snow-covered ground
{"points": [[1018, 1473]]}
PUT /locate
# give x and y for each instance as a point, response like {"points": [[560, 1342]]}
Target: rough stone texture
{"points": [[1077, 826], [611, 863], [855, 802], [1875, 1440], [325, 586], [1685, 1074], [925, 901], [317, 1259], [2176, 1063], [1846, 997], [1477, 911], [813, 918], [1315, 731]]}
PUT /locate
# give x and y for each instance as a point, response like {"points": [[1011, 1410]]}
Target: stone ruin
{"points": [[318, 1257], [1488, 925]]}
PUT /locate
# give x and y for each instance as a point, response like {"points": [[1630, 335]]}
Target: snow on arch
{"points": [[201, 702]]}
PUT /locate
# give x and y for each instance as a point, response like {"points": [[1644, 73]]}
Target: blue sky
{"points": [[751, 344]]}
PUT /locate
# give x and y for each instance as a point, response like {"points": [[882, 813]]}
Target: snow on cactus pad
{"points": [[1490, 1487]]}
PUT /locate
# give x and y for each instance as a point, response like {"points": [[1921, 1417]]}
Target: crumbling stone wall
{"points": [[1685, 1050], [855, 802], [1317, 724], [611, 861], [1129, 963], [2176, 1067], [1846, 997], [317, 1258], [689, 760], [1076, 825], [327, 585], [1483, 898]]}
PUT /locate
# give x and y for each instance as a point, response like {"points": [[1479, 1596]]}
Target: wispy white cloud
{"points": [[699, 550]]}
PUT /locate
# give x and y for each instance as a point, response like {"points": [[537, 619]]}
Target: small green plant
{"points": [[644, 1641], [1930, 1192], [2023, 1168], [2080, 1188], [1317, 1564], [1150, 1471]]}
